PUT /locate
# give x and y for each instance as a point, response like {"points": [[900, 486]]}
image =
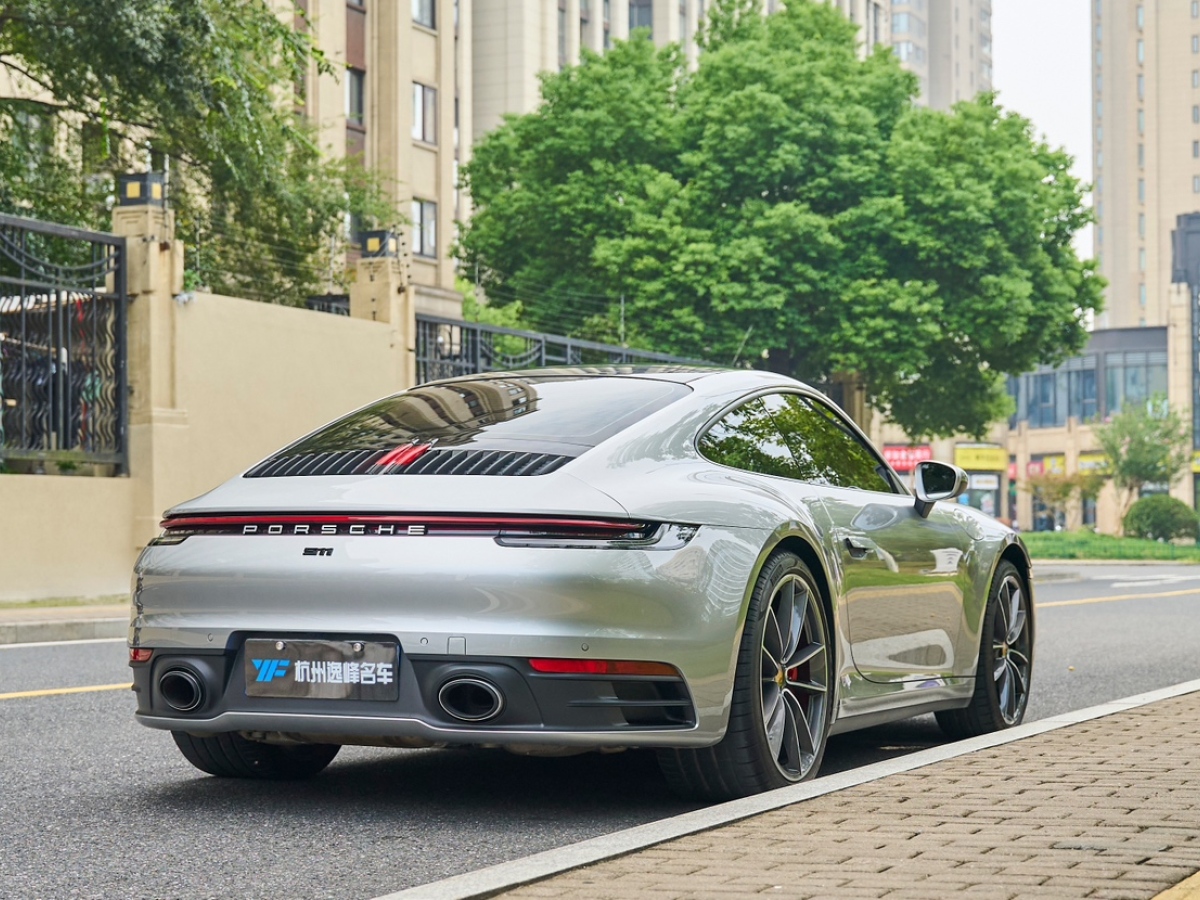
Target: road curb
{"points": [[62, 630], [506, 876]]}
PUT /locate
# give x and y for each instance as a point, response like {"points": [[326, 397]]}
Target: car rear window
{"points": [[561, 416]]}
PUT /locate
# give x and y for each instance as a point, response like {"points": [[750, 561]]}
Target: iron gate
{"points": [[449, 347], [63, 376]]}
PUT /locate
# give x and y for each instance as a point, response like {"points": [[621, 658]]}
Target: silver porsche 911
{"points": [[714, 564]]}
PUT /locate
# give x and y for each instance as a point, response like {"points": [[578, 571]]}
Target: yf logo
{"points": [[270, 669]]}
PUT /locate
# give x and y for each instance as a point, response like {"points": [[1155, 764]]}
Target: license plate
{"points": [[322, 670]]}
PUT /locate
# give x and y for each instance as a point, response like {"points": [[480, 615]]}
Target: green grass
{"points": [[64, 601], [1085, 545]]}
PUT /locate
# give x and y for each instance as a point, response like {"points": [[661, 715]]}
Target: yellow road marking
{"points": [[17, 695], [1116, 597]]}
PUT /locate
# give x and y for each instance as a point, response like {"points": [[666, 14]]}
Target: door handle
{"points": [[856, 552]]}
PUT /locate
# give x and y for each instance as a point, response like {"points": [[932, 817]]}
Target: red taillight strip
{"points": [[602, 667], [469, 522]]}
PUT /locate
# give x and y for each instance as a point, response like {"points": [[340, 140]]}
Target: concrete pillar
{"points": [[382, 293], [154, 261]]}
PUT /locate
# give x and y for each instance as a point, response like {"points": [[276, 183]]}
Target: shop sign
{"points": [[981, 457], [904, 458], [1196, 462], [1055, 465], [1012, 471], [985, 482], [1034, 467], [1098, 462]]}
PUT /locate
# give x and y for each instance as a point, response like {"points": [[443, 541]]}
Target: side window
{"points": [[826, 449], [747, 438]]}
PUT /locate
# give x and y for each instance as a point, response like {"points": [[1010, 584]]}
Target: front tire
{"points": [[229, 755], [1005, 666], [782, 698]]}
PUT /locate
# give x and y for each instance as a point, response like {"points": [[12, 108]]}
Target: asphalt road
{"points": [[93, 805]]}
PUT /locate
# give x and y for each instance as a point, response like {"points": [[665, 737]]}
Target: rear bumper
{"points": [[456, 606]]}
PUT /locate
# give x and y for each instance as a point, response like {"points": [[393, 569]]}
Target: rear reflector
{"points": [[140, 655], [602, 667]]}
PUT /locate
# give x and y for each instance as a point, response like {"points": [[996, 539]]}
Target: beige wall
{"points": [[65, 536], [216, 383]]}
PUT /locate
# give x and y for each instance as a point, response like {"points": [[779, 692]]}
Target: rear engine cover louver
{"points": [[435, 462]]}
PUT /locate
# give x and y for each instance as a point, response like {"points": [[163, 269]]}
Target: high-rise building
{"points": [[947, 44], [403, 75], [514, 40], [1146, 145]]}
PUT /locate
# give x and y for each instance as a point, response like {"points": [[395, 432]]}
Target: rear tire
{"points": [[1005, 666], [229, 755], [782, 696]]}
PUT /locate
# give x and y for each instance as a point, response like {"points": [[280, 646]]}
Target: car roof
{"points": [[720, 378]]}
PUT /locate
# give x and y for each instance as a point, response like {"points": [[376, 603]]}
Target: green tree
{"points": [[1145, 444], [787, 204], [101, 86]]}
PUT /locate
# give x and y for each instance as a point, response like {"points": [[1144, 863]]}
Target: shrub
{"points": [[1161, 518]]}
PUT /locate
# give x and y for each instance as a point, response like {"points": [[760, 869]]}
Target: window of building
{"points": [[424, 226], [1141, 259], [1141, 87], [562, 34], [356, 97], [1196, 43], [1141, 295], [1141, 17], [1196, 114], [607, 24], [1141, 51], [1081, 392], [1141, 225], [1196, 184], [424, 125], [423, 12], [1196, 9], [1141, 190], [1196, 78], [1196, 149], [1099, 108], [1132, 378], [1141, 120], [1141, 156], [641, 15], [683, 23]]}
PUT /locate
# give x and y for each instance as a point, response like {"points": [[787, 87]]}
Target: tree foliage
{"points": [[1161, 518], [105, 86], [1145, 444], [786, 201]]}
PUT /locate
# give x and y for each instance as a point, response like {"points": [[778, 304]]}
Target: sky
{"points": [[1041, 69]]}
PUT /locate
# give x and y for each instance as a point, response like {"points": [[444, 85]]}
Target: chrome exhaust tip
{"points": [[471, 699], [181, 690]]}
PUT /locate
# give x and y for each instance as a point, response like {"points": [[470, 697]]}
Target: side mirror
{"points": [[934, 481]]}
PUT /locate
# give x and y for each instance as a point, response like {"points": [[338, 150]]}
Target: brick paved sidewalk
{"points": [[1108, 808]]}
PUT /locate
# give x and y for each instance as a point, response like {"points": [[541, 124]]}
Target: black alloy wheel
{"points": [[782, 700], [1005, 668]]}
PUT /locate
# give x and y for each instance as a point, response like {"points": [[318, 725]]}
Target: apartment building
{"points": [[1146, 145], [403, 79], [947, 44], [514, 40]]}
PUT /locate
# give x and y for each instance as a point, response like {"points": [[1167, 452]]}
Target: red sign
{"points": [[904, 458], [1012, 471], [1035, 467]]}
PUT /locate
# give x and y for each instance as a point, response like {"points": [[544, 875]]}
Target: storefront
{"points": [[904, 457], [1045, 518], [985, 465]]}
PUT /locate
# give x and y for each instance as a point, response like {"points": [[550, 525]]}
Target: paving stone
{"points": [[1108, 809]]}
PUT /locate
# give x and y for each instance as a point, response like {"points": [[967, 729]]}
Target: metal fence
{"points": [[63, 379], [448, 347]]}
